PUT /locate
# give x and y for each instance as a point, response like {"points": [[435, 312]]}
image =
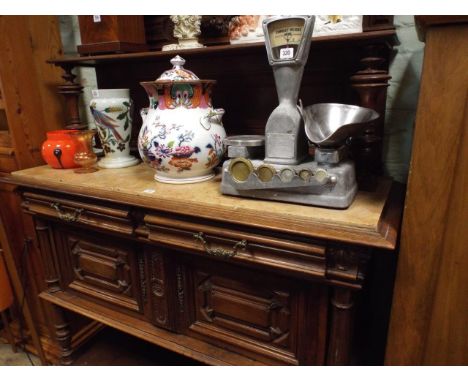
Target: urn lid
{"points": [[178, 74]]}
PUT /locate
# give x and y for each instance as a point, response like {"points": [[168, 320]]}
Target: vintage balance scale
{"points": [[287, 173]]}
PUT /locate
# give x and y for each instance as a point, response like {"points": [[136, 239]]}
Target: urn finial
{"points": [[178, 62]]}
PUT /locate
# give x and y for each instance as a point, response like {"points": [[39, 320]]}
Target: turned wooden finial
{"points": [[71, 91], [371, 83]]}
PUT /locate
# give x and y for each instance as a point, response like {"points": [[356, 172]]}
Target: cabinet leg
{"points": [[9, 334], [63, 336], [339, 349]]}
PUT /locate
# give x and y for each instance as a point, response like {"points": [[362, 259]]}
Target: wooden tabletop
{"points": [[373, 218]]}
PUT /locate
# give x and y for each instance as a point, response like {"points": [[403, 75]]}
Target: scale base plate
{"points": [[338, 192]]}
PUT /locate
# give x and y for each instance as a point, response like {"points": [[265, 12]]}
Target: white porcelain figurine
{"points": [[186, 30]]}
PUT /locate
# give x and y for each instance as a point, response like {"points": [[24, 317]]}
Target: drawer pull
{"points": [[219, 252], [67, 216]]}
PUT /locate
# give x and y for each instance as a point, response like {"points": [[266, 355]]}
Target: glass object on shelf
{"points": [[85, 156]]}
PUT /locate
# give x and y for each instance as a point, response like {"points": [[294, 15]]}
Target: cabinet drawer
{"points": [[237, 245], [107, 270], [103, 216], [264, 317]]}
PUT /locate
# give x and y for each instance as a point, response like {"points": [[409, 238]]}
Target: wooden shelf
{"points": [[211, 355], [388, 35]]}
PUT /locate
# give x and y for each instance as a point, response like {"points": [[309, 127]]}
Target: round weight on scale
{"points": [[287, 175], [265, 172], [240, 169], [305, 174]]}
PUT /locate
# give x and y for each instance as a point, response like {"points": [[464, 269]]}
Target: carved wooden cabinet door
{"points": [[103, 268], [256, 314]]}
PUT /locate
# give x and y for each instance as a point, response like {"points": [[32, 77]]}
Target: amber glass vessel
{"points": [[85, 156]]}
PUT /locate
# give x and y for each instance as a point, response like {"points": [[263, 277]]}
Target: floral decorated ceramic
{"points": [[111, 110], [182, 134]]}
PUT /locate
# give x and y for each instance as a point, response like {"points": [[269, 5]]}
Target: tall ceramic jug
{"points": [[182, 134]]}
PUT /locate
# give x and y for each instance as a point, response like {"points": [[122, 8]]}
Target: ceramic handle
{"points": [[216, 115], [144, 113], [219, 252]]}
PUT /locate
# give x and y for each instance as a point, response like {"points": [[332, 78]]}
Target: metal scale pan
{"points": [[330, 124]]}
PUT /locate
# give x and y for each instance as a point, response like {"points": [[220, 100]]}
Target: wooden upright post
{"points": [[19, 291]]}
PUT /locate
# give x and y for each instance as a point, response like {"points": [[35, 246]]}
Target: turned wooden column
{"points": [[342, 304], [63, 335], [347, 267], [371, 83], [50, 261], [71, 91]]}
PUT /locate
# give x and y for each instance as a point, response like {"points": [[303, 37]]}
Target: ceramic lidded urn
{"points": [[181, 136], [111, 110]]}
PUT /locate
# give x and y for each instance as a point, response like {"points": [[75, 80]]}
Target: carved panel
{"points": [[105, 267], [180, 288], [48, 254], [249, 314], [158, 295], [103, 271], [142, 276], [160, 289]]}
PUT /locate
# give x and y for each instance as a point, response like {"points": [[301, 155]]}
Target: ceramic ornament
{"points": [[186, 30], [182, 134], [111, 110]]}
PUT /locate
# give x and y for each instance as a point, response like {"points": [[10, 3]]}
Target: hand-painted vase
{"points": [[182, 134], [111, 110], [59, 149]]}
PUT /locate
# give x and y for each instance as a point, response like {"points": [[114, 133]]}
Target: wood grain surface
{"points": [[28, 83], [430, 307], [359, 224]]}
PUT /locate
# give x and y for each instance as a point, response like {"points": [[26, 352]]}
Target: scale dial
{"points": [[285, 36]]}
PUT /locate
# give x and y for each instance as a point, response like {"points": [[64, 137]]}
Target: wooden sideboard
{"points": [[220, 279]]}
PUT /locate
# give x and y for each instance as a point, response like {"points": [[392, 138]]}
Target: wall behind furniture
{"points": [[402, 96], [402, 99]]}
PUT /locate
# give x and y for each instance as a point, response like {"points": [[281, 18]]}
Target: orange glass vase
{"points": [[59, 149], [6, 295]]}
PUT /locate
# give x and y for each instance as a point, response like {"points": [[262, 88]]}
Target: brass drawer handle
{"points": [[219, 252], [67, 216]]}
